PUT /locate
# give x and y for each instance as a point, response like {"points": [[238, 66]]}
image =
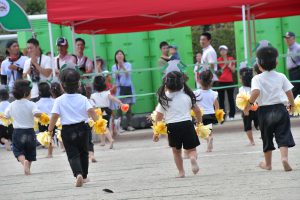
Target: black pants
{"points": [[6, 132], [230, 93], [75, 138], [91, 144], [295, 75]]}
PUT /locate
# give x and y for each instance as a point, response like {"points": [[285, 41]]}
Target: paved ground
{"points": [[139, 169]]}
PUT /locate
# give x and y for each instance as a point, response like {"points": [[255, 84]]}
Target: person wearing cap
{"points": [[84, 63], [63, 57], [293, 60], [226, 69], [173, 52], [12, 67]]}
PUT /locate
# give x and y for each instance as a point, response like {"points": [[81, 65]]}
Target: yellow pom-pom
{"points": [[99, 112], [160, 128], [203, 131], [100, 126], [91, 123], [297, 106], [194, 115], [58, 124], [44, 119], [242, 100], [36, 124], [220, 115], [58, 135], [5, 122], [44, 138]]}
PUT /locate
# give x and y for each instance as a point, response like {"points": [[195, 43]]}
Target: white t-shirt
{"points": [[101, 99], [89, 66], [179, 108], [3, 106], [245, 89], [205, 99], [46, 64], [45, 105], [22, 112], [12, 77], [61, 61], [72, 108], [209, 56], [272, 86]]}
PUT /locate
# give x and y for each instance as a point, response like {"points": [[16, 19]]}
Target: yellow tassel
{"points": [[5, 122], [160, 128], [44, 138], [242, 100], [98, 112], [58, 135], [194, 115], [220, 115], [44, 119], [297, 106], [100, 126], [203, 131], [91, 123], [36, 124], [58, 124]]}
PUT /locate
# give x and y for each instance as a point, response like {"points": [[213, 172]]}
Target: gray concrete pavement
{"points": [[139, 169]]}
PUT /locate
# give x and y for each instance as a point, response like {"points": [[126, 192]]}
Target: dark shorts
{"points": [[209, 119], [274, 120], [182, 134], [6, 132], [247, 120], [24, 143], [108, 113], [91, 144]]}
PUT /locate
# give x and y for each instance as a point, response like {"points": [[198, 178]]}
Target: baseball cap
{"points": [[223, 47], [61, 41], [105, 73], [173, 46], [289, 34]]}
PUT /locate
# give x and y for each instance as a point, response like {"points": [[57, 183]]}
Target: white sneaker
{"points": [[130, 128], [231, 118]]}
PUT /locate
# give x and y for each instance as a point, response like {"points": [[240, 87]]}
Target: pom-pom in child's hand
{"points": [[254, 107], [124, 108], [44, 119], [242, 100], [220, 115], [160, 128], [5, 122], [44, 138], [98, 112], [296, 108], [100, 126], [58, 124], [203, 131]]}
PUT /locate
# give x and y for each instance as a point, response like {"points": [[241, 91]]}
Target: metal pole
{"points": [[249, 31], [51, 48], [245, 34], [254, 29], [73, 37], [94, 52]]}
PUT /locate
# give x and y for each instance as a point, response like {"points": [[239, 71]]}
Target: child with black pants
{"points": [[23, 111], [73, 110], [176, 100], [246, 75], [272, 91], [5, 131]]}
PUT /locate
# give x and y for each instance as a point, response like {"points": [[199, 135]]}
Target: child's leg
{"points": [[62, 147], [25, 163], [102, 140], [284, 158], [179, 162], [50, 151], [267, 165], [210, 143], [192, 153], [110, 139], [250, 137], [7, 143]]}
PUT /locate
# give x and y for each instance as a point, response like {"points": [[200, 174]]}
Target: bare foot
{"points": [[102, 144], [7, 146], [263, 165], [26, 167], [181, 175], [79, 181], [111, 145], [86, 180], [210, 144], [49, 156], [286, 166], [195, 167], [251, 144]]}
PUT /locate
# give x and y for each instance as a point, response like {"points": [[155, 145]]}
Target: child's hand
{"points": [[155, 138], [291, 109], [246, 112]]}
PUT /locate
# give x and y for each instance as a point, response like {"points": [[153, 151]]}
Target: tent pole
{"points": [[94, 52], [73, 37], [254, 29], [245, 34], [249, 31], [51, 48]]}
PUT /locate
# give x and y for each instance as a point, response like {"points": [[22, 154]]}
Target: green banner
{"points": [[13, 17]]}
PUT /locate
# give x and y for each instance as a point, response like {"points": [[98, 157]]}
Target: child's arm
{"points": [[159, 117], [290, 96], [254, 95], [53, 121], [115, 99], [216, 104], [198, 113], [92, 114]]}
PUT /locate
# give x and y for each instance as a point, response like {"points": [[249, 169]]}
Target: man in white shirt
{"points": [[84, 63], [37, 68]]}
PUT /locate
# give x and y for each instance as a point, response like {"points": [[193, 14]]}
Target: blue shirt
{"points": [[293, 56]]}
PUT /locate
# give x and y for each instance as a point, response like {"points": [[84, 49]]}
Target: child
{"points": [[197, 69], [175, 103], [208, 100], [23, 111], [5, 132], [102, 99], [45, 105], [246, 75], [73, 110], [174, 53], [272, 91]]}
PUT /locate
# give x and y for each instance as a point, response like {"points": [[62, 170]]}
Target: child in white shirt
{"points": [[5, 132], [273, 92]]}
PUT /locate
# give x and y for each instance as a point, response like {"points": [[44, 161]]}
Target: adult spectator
{"points": [[12, 67], [37, 67], [198, 69], [293, 60], [84, 63], [164, 58], [122, 75], [227, 68]]}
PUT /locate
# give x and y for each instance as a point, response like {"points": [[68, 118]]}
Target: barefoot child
{"points": [[102, 99], [208, 100], [5, 131], [23, 111], [73, 110], [272, 91], [175, 103], [246, 75], [45, 105]]}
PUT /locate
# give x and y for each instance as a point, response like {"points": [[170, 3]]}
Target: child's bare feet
{"points": [[195, 167], [79, 181], [86, 180], [111, 145], [7, 145], [102, 144], [26, 167], [49, 156], [286, 166], [263, 165], [181, 174], [251, 144]]}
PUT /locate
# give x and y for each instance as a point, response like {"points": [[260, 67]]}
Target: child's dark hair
{"points": [[99, 83], [44, 90], [82, 90], [56, 90], [256, 69], [174, 81], [267, 58], [206, 79], [246, 75], [4, 96], [21, 89], [70, 80]]}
